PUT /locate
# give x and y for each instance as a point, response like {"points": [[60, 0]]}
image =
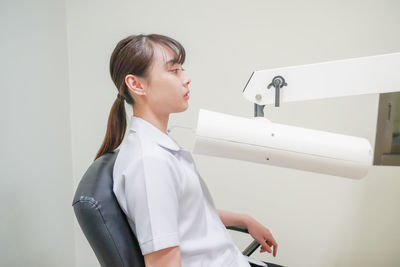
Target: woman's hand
{"points": [[262, 235]]}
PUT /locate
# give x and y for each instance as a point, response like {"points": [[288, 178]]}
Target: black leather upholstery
{"points": [[102, 220]]}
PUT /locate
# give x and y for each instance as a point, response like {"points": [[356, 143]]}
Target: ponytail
{"points": [[116, 127]]}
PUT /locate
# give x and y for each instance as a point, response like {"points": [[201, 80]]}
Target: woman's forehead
{"points": [[164, 56]]}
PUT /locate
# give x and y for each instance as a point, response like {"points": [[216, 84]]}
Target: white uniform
{"points": [[167, 202]]}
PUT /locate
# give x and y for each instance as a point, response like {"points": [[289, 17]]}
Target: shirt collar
{"points": [[163, 139]]}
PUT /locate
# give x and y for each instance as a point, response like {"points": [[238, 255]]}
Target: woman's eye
{"points": [[176, 70]]}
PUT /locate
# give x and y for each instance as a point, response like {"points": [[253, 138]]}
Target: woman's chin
{"points": [[184, 107]]}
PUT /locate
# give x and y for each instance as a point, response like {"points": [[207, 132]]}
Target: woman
{"points": [[156, 183]]}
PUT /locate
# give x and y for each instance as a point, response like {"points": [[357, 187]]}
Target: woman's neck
{"points": [[159, 121]]}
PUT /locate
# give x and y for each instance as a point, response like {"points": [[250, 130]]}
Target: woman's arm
{"points": [[168, 257], [229, 218], [260, 233]]}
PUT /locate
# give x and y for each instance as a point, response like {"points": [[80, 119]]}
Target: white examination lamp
{"points": [[260, 140]]}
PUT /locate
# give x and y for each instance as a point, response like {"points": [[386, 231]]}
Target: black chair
{"points": [[104, 223]]}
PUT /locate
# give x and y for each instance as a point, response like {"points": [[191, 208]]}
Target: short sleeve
{"points": [[152, 195]]}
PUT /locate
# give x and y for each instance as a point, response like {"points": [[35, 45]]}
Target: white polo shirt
{"points": [[166, 201]]}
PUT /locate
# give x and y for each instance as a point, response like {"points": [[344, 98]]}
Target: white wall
{"points": [[36, 225]]}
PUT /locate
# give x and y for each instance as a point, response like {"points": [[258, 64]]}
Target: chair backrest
{"points": [[102, 220]]}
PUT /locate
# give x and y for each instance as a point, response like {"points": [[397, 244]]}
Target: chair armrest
{"points": [[238, 228], [253, 245]]}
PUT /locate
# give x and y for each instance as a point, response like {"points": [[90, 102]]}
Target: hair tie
{"points": [[121, 97]]}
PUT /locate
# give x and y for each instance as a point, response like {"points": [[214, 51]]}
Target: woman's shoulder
{"points": [[136, 150]]}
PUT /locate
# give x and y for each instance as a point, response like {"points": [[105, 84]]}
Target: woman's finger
{"points": [[275, 247], [271, 241], [266, 247]]}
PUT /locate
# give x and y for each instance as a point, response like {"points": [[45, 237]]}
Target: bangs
{"points": [[177, 49]]}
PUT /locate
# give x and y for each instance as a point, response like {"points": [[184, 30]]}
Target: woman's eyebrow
{"points": [[171, 62]]}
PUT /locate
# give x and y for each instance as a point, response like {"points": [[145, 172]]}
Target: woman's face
{"points": [[166, 85]]}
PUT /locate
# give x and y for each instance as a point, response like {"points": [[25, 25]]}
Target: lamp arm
{"points": [[356, 76]]}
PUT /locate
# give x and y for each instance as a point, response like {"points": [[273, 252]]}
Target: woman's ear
{"points": [[135, 85]]}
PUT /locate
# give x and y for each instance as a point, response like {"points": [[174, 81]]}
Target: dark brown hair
{"points": [[132, 55]]}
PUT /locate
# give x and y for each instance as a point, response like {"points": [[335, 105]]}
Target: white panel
{"points": [[366, 75]]}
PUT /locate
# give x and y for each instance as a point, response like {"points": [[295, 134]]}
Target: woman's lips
{"points": [[186, 96]]}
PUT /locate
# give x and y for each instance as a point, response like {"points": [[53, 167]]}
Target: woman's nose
{"points": [[187, 80]]}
